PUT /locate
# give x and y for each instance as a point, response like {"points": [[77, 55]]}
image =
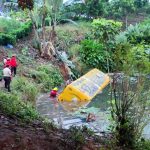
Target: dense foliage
{"points": [[47, 77], [10, 36], [97, 51], [131, 48], [27, 90], [26, 4], [11, 104], [103, 8], [93, 54]]}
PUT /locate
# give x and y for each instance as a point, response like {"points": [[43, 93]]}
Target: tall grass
{"points": [[47, 77], [27, 88], [12, 105]]}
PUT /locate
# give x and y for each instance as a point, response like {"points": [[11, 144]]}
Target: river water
{"points": [[65, 119]]}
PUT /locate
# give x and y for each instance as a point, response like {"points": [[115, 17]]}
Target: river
{"points": [[65, 119]]}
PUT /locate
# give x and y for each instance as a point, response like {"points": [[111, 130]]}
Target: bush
{"points": [[23, 31], [144, 145], [11, 104], [138, 33], [7, 38], [15, 34], [74, 50], [27, 89], [105, 30], [93, 54], [129, 109], [47, 76], [7, 25]]}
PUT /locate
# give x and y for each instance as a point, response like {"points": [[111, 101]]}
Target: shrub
{"points": [[138, 33], [105, 30], [7, 25], [12, 105], [15, 34], [144, 145], [7, 38], [74, 50], [48, 76], [93, 54], [129, 108], [28, 89], [24, 59], [23, 31]]}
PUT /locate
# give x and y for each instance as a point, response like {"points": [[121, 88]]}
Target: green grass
{"points": [[7, 25], [12, 105]]}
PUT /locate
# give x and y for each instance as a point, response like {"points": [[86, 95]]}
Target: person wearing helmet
{"points": [[53, 92]]}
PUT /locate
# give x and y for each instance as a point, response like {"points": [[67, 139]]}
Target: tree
{"points": [[29, 4], [48, 9], [104, 31], [123, 8], [141, 3], [94, 8]]}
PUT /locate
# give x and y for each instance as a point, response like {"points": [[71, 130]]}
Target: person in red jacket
{"points": [[53, 92], [13, 63]]}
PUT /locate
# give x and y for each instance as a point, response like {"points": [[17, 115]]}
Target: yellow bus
{"points": [[84, 89]]}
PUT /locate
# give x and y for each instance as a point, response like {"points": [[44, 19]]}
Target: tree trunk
{"points": [[35, 31], [126, 21]]}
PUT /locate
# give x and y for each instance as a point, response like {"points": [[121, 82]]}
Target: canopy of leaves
{"points": [[29, 4], [121, 8], [105, 30]]}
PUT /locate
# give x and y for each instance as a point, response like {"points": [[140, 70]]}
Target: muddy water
{"points": [[51, 109]]}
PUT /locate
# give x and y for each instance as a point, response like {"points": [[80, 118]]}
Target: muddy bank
{"points": [[34, 136]]}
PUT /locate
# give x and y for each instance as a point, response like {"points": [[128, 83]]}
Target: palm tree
{"points": [[50, 9]]}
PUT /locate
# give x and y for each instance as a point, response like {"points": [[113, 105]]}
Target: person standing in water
{"points": [[53, 92]]}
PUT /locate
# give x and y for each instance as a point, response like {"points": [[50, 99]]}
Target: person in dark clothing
{"points": [[7, 77]]}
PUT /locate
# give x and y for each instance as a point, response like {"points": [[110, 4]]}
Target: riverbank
{"points": [[37, 135]]}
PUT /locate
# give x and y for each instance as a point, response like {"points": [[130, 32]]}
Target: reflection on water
{"points": [[101, 100]]}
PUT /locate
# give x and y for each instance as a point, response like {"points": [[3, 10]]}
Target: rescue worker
{"points": [[13, 63], [5, 60], [53, 92], [7, 77], [8, 63]]}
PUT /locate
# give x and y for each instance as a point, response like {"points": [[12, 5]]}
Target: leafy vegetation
{"points": [[28, 90], [129, 109], [77, 135], [12, 105], [102, 8], [47, 76], [97, 51], [93, 54], [10, 36], [102, 43]]}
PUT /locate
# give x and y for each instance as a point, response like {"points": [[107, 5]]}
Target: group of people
{"points": [[9, 70]]}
